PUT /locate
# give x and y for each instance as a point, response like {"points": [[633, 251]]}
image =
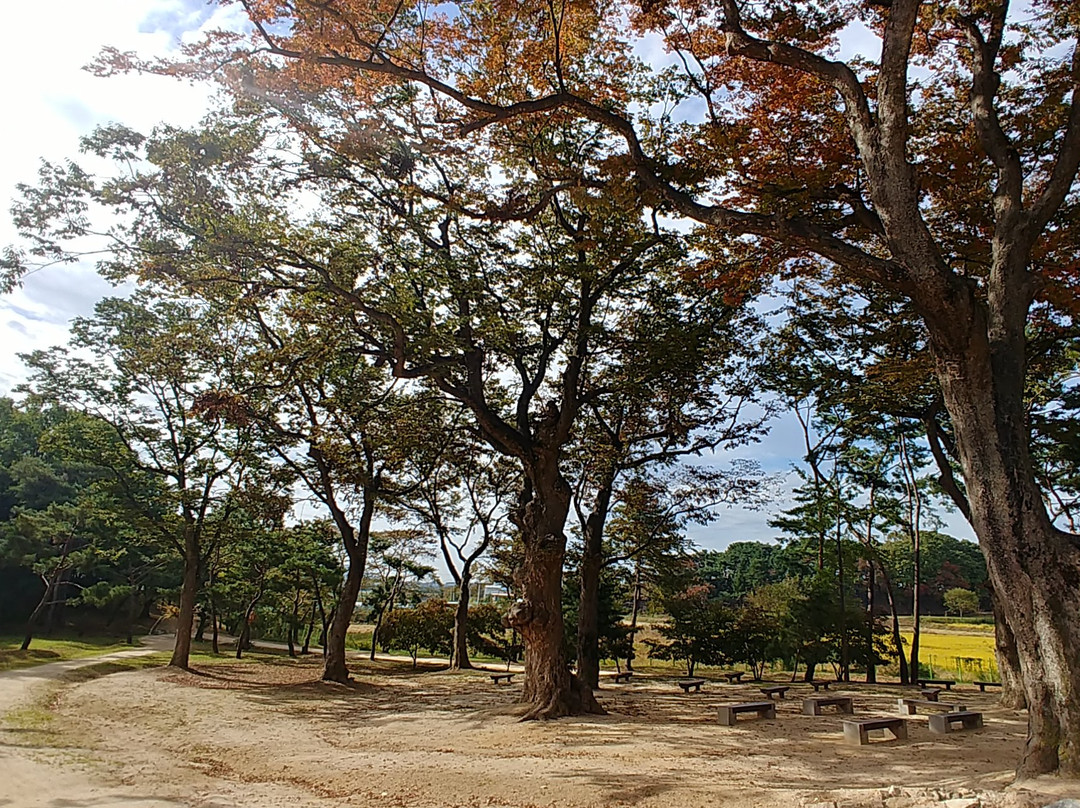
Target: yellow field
{"points": [[955, 655]]}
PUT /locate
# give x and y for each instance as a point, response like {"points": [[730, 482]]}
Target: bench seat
{"points": [[686, 684], [819, 684], [777, 690], [946, 683], [733, 677], [983, 685], [943, 722], [908, 706], [844, 704], [728, 712], [623, 676], [858, 731], [501, 677]]}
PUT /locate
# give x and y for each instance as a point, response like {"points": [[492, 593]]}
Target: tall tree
{"points": [[960, 197], [152, 361]]}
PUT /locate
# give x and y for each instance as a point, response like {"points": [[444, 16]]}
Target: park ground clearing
{"points": [[266, 732]]}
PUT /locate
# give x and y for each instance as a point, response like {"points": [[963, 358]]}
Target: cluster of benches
{"points": [[943, 718]]}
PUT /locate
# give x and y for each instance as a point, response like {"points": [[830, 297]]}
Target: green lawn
{"points": [[52, 649]]}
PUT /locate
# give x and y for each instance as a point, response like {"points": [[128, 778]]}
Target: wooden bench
{"points": [[946, 683], [778, 691], [764, 709], [858, 731], [984, 685], [686, 684], [930, 693], [499, 677], [908, 706], [942, 722], [734, 677], [623, 676], [819, 684], [844, 704]]}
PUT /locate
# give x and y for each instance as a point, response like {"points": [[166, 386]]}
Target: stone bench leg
{"points": [[770, 713], [900, 732], [811, 708], [727, 717], [855, 734]]}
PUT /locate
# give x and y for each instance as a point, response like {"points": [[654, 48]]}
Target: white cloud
{"points": [[49, 102]]}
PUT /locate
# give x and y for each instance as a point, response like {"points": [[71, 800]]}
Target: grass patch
{"points": [[52, 649]]}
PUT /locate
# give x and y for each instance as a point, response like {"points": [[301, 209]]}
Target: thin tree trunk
{"points": [[460, 654], [189, 592], [635, 608], [905, 677], [215, 621], [871, 576], [588, 629], [306, 649], [294, 620]]}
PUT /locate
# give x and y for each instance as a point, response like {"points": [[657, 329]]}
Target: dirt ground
{"points": [[269, 734]]}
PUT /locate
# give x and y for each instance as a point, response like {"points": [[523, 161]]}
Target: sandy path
{"points": [[48, 768], [33, 776]]}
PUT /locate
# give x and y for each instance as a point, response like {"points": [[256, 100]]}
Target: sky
{"points": [[50, 102]]}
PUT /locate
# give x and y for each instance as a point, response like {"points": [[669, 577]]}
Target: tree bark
{"points": [[334, 666], [459, 659], [905, 677], [189, 591], [1033, 567], [635, 608], [550, 688], [356, 547], [871, 581]]}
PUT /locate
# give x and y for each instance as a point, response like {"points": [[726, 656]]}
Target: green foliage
{"points": [[428, 625], [961, 600]]}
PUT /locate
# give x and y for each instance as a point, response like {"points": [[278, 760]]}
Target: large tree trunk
{"points": [[356, 546], [550, 688], [1033, 567], [459, 659], [189, 592]]}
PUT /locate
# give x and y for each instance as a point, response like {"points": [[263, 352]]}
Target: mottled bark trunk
{"points": [[550, 688], [189, 591], [294, 622], [1034, 568]]}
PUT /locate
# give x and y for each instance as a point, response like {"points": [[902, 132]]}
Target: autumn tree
{"points": [[959, 197]]}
